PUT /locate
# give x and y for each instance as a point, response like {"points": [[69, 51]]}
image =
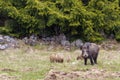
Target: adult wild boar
{"points": [[90, 51]]}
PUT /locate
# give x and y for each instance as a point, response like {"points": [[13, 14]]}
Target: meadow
{"points": [[32, 63]]}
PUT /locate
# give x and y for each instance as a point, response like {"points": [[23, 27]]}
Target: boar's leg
{"points": [[95, 60], [91, 60], [85, 61]]}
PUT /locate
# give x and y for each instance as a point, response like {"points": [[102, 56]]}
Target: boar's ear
{"points": [[81, 46], [88, 45]]}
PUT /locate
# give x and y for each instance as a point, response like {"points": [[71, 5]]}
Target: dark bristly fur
{"points": [[90, 51]]}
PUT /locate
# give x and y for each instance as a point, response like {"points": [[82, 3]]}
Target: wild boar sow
{"points": [[90, 51]]}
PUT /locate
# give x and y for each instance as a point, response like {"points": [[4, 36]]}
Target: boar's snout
{"points": [[85, 53]]}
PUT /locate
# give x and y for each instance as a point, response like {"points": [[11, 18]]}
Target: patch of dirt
{"points": [[89, 74], [5, 76], [8, 70], [59, 75]]}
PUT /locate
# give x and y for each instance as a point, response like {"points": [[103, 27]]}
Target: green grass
{"points": [[34, 64]]}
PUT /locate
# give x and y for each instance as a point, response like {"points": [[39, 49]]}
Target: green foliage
{"points": [[26, 17]]}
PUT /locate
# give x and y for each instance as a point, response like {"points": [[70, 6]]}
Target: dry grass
{"points": [[32, 63]]}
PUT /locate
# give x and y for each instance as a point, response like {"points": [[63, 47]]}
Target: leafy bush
{"points": [[72, 17]]}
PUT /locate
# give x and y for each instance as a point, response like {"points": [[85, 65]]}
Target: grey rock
{"points": [[32, 41], [62, 37], [3, 47], [77, 43], [7, 42], [65, 43]]}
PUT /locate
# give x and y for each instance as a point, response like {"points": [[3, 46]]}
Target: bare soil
{"points": [[91, 74]]}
